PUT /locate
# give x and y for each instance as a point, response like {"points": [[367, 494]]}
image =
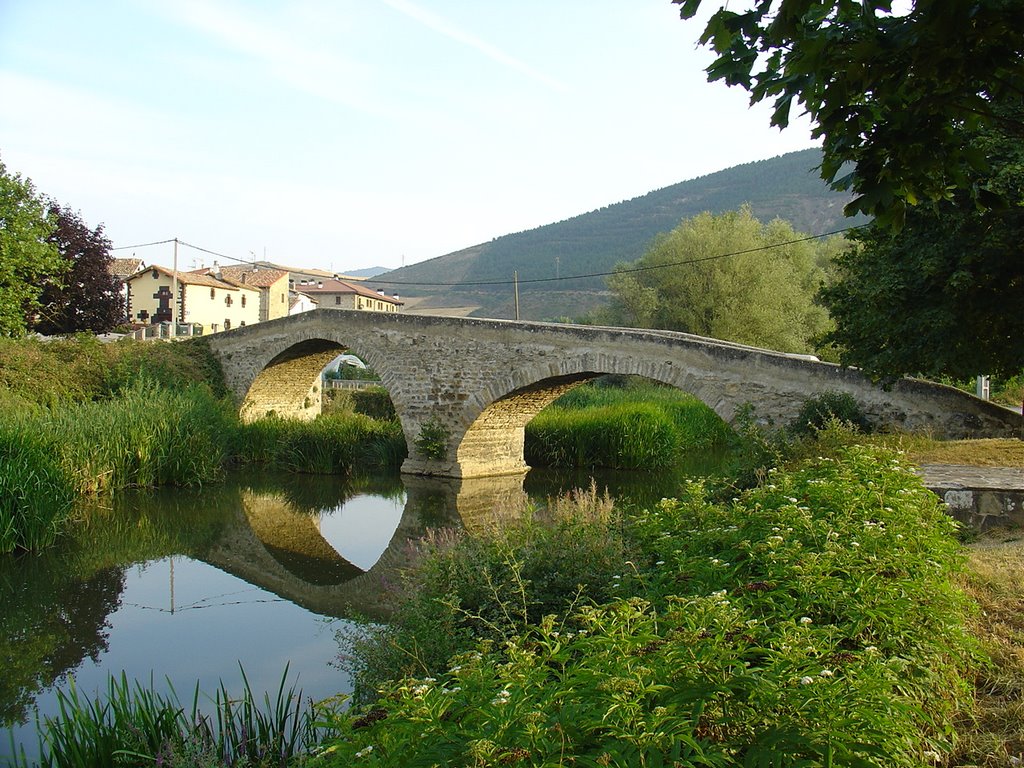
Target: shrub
{"points": [[817, 411], [492, 586], [375, 403], [432, 441], [811, 621]]}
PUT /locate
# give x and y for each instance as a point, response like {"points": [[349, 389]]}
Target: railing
{"points": [[350, 384]]}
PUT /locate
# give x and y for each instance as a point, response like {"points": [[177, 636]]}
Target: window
{"points": [[243, 300], [227, 324], [227, 302], [213, 293], [155, 274], [337, 299]]}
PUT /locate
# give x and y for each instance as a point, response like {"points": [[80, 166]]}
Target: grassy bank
{"points": [[622, 423], [79, 418], [811, 621]]}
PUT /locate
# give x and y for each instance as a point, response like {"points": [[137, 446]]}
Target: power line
{"points": [[629, 270], [621, 271], [187, 245]]}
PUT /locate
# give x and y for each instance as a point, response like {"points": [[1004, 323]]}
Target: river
{"points": [[190, 586]]}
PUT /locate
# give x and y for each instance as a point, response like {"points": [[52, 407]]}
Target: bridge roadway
{"points": [[482, 381]]}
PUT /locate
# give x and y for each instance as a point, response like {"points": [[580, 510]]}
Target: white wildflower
{"points": [[806, 680], [364, 751], [805, 619]]}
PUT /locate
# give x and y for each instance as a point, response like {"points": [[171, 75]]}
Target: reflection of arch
{"points": [[293, 539], [430, 504]]}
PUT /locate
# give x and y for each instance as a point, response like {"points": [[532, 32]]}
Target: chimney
{"points": [[215, 270], [380, 291], [396, 297]]}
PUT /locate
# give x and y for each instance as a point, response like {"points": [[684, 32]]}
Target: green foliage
{"points": [[936, 298], [28, 261], [80, 368], [147, 436], [756, 297], [632, 424], [135, 725], [492, 587], [819, 410], [375, 403], [338, 443], [36, 493], [812, 621], [432, 441], [889, 92]]}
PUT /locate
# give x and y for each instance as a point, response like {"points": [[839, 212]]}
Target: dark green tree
{"points": [[943, 296], [889, 93], [27, 259], [89, 298]]}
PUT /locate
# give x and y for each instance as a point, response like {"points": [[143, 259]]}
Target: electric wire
{"points": [[535, 280]]}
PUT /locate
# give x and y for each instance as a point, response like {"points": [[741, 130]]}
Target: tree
{"points": [[761, 297], [892, 94], [90, 298], [27, 259], [943, 296]]}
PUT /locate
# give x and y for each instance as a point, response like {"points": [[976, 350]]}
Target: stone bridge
{"points": [[479, 382]]}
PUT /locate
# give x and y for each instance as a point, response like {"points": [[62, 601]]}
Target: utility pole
{"points": [[515, 279], [174, 293]]}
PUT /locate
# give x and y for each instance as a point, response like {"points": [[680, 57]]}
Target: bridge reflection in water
{"points": [[271, 542]]}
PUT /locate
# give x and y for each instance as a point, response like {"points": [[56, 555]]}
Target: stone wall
{"points": [[483, 380]]}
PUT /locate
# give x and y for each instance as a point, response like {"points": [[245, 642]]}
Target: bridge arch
{"points": [[286, 379], [495, 434]]}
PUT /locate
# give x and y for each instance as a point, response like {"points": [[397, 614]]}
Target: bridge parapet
{"points": [[483, 380]]}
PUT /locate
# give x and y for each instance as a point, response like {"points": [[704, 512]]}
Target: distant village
{"points": [[213, 299]]}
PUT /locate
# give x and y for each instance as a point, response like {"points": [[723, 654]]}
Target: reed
{"points": [[132, 724], [36, 493], [148, 436]]}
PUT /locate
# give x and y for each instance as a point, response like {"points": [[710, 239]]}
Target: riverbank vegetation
{"points": [[815, 617], [80, 418], [621, 422]]}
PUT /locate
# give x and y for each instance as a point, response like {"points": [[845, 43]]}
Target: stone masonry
{"points": [[483, 380]]}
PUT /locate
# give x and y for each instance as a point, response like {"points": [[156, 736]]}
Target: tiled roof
{"points": [[191, 278], [258, 278], [124, 268]]}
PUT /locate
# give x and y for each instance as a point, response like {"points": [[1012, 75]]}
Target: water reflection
{"points": [[185, 585]]}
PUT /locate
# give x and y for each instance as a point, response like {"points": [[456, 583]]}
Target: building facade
{"points": [[203, 299], [330, 293]]}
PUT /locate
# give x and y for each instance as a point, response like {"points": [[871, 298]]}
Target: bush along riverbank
{"points": [[811, 621], [623, 423]]}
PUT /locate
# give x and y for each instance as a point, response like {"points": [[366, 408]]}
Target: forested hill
{"points": [[787, 187]]}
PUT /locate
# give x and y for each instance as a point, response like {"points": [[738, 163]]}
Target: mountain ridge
{"points": [[565, 255]]}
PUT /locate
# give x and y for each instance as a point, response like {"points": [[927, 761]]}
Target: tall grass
{"points": [[135, 725], [341, 443], [36, 492], [641, 425]]}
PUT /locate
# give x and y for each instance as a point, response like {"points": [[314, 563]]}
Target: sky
{"points": [[345, 134]]}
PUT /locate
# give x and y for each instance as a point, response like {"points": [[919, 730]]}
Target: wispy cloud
{"points": [[441, 26], [292, 57]]}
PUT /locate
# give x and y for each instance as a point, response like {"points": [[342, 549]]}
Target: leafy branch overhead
{"points": [[893, 93]]}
